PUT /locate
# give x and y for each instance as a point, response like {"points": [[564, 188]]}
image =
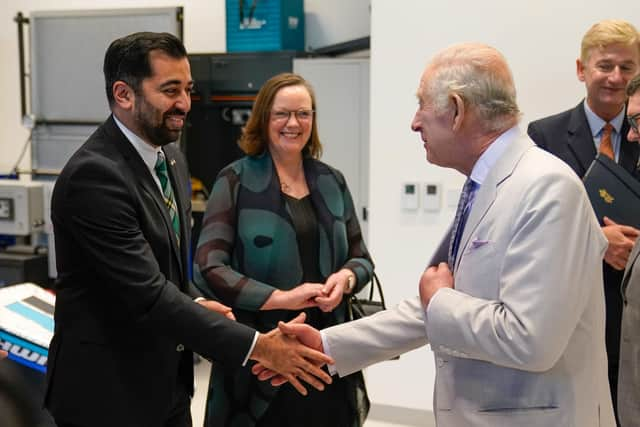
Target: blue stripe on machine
{"points": [[31, 314]]}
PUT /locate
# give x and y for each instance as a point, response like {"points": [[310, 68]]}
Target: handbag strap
{"points": [[375, 283]]}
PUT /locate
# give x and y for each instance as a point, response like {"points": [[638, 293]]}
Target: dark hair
{"points": [[633, 85], [127, 58], [255, 135]]}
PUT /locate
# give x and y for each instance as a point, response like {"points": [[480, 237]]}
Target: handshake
{"points": [[290, 353]]}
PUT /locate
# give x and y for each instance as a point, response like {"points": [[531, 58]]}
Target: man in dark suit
{"points": [[126, 322], [610, 57]]}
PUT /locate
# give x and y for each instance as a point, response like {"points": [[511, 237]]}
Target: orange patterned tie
{"points": [[606, 147]]}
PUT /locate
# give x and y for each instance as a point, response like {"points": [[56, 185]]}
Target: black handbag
{"points": [[360, 307]]}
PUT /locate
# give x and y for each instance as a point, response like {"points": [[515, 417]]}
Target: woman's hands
{"points": [[336, 285], [326, 296], [302, 296]]}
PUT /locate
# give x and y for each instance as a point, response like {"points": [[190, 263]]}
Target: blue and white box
{"points": [[265, 25], [26, 324]]}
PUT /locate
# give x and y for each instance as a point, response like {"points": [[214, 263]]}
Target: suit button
{"points": [[440, 362], [179, 347]]}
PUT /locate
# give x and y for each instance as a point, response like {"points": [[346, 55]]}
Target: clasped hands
{"points": [[306, 337], [280, 352], [432, 279], [326, 296], [297, 348]]}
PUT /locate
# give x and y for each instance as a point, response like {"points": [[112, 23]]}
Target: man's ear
{"points": [[123, 95], [580, 69], [458, 111]]}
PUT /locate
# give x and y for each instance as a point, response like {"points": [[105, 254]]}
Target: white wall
{"points": [[335, 21], [541, 42], [329, 22], [204, 31]]}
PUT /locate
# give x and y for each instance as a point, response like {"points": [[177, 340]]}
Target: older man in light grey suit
{"points": [[629, 378], [518, 327]]}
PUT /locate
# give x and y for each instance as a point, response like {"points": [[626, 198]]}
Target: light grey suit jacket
{"points": [[520, 340], [629, 378]]}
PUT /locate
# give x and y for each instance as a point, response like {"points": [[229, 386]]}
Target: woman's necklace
{"points": [[292, 184], [284, 187]]}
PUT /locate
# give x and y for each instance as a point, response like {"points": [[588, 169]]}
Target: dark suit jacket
{"points": [[568, 136], [125, 320]]}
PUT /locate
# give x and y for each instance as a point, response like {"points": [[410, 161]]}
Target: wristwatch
{"points": [[351, 282]]}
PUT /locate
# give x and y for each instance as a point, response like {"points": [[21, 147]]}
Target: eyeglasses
{"points": [[633, 122], [284, 116]]}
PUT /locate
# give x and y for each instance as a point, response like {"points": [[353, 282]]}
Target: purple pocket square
{"points": [[478, 243]]}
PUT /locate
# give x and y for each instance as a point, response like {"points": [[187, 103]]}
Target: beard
{"points": [[153, 123]]}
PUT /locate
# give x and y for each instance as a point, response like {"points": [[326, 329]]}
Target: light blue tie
{"points": [[462, 213], [167, 193]]}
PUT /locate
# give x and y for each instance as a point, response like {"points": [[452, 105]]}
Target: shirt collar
{"points": [[148, 152], [596, 123], [491, 155]]}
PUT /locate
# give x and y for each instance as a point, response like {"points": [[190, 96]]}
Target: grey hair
{"points": [[478, 74]]}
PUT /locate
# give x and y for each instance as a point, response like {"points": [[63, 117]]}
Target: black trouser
{"points": [[318, 409], [179, 416]]}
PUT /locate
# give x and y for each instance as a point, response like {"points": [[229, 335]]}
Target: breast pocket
{"points": [[478, 269]]}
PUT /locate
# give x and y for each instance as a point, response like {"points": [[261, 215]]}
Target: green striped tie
{"points": [[167, 193]]}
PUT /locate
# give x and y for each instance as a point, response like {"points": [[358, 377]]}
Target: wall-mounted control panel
{"points": [[21, 207], [410, 196]]}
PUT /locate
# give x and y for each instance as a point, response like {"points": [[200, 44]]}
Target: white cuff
{"points": [[253, 344], [327, 350]]}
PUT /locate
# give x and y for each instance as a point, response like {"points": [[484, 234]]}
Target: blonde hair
{"points": [[606, 33]]}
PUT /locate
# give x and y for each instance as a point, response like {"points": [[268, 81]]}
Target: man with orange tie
{"points": [[609, 59]]}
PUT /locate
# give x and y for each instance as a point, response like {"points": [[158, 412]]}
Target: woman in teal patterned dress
{"points": [[279, 236]]}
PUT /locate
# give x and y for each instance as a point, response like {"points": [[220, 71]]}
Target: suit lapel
{"points": [[488, 191], [630, 264], [580, 139], [146, 181], [629, 151]]}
